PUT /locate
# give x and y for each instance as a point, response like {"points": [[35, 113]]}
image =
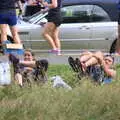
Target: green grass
{"points": [[86, 101]]}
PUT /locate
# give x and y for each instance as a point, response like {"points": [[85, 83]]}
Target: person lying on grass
{"points": [[94, 64], [29, 68]]}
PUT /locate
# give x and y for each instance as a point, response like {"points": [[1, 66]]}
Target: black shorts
{"points": [[55, 17], [119, 18]]}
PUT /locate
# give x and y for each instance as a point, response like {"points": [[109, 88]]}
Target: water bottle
{"points": [[5, 74]]}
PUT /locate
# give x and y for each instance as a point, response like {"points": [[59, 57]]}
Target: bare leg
{"points": [[95, 59], [48, 32], [99, 55], [18, 77], [3, 28], [56, 38], [85, 56], [91, 61], [15, 35]]}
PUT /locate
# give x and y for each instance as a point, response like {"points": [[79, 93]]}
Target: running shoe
{"points": [[72, 63]]}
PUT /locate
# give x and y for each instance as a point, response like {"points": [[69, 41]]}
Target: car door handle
{"points": [[84, 27]]}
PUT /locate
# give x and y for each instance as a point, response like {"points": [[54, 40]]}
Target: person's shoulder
{"points": [[113, 72]]}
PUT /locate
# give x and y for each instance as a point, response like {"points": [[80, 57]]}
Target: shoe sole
{"points": [[72, 63], [41, 72], [79, 65]]}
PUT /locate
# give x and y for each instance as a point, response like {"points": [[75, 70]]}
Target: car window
{"points": [[98, 14], [84, 13], [76, 13]]}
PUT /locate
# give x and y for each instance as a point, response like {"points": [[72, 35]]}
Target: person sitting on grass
{"points": [[94, 64], [29, 69]]}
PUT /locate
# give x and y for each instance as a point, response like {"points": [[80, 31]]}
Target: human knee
{"points": [[99, 54], [85, 56], [44, 34], [86, 53]]}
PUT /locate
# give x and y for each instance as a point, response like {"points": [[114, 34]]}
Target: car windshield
{"points": [[36, 18]]}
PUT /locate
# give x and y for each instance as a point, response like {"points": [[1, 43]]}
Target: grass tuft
{"points": [[86, 101]]}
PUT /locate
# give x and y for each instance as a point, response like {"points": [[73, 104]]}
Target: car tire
{"points": [[112, 48]]}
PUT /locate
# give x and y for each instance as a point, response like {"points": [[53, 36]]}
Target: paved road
{"points": [[63, 59], [54, 59]]}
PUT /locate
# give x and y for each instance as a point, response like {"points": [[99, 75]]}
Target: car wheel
{"points": [[112, 49]]}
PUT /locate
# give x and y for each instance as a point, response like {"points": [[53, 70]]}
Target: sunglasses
{"points": [[109, 60], [26, 54]]}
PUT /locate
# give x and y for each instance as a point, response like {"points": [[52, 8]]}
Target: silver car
{"points": [[86, 25]]}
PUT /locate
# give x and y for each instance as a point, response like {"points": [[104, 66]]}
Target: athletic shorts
{"points": [[96, 73], [107, 80], [7, 18], [55, 17]]}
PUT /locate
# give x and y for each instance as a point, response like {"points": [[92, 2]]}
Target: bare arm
{"points": [[20, 5], [53, 4], [108, 71], [28, 63]]}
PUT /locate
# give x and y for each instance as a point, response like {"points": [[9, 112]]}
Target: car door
{"points": [[103, 29], [75, 29]]}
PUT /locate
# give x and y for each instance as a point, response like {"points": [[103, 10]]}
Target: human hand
{"points": [[28, 69], [45, 4]]}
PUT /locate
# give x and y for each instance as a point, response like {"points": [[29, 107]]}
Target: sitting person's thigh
{"points": [[85, 56], [99, 55]]}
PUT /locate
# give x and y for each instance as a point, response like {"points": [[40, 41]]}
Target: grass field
{"points": [[86, 101]]}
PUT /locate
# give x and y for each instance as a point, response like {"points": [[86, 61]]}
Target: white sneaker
{"points": [[59, 52]]}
